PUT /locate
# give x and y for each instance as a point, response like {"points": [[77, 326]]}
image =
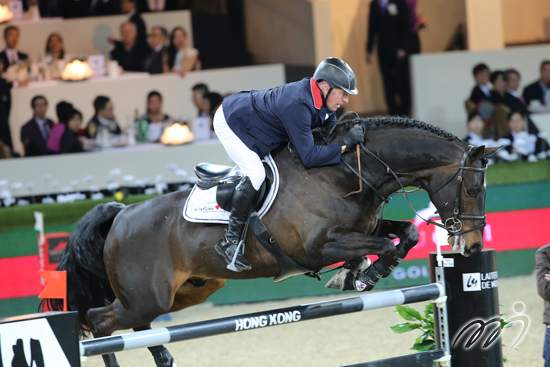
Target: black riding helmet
{"points": [[337, 74]]}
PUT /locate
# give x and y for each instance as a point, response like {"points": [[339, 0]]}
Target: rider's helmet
{"points": [[337, 74]]}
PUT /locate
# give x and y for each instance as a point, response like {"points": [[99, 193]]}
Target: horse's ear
{"points": [[490, 151], [477, 153]]}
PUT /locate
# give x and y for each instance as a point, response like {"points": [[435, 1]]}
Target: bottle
{"points": [[143, 127], [136, 125]]}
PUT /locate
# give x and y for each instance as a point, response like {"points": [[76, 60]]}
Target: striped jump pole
{"points": [[111, 344]]}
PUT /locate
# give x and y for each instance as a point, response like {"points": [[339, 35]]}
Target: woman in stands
{"points": [[181, 57], [156, 119]]}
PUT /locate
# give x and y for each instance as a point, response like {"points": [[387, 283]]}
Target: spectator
{"points": [[200, 91], [10, 55], [480, 91], [155, 5], [181, 57], [69, 140], [62, 109], [475, 130], [389, 25], [103, 118], [129, 54], [154, 63], [514, 100], [499, 87], [538, 91], [130, 7], [542, 259], [54, 47], [523, 145], [35, 133], [214, 101], [5, 105], [156, 119]]}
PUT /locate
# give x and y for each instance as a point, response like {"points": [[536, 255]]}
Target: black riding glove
{"points": [[355, 136]]}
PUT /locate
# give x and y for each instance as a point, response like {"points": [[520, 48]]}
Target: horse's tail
{"points": [[87, 282]]}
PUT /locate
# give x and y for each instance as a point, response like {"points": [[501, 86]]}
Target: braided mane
{"points": [[384, 122]]}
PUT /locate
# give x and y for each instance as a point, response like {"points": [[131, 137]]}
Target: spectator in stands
{"points": [[35, 133], [475, 129], [481, 91], [154, 5], [389, 26], [154, 63], [538, 91], [200, 91], [156, 119], [69, 141], [214, 101], [62, 110], [103, 118], [499, 87], [129, 7], [10, 55], [514, 100], [181, 57], [129, 54], [54, 47], [523, 145]]}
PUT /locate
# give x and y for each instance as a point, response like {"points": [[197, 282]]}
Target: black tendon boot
{"points": [[243, 200]]}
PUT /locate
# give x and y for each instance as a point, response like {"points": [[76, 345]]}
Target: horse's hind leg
{"points": [[162, 356]]}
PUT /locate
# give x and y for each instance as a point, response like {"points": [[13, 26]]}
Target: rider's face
{"points": [[336, 98]]}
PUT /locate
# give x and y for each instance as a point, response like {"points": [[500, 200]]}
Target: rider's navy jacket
{"points": [[265, 119]]}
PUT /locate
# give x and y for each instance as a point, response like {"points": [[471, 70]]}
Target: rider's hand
{"points": [[355, 136]]}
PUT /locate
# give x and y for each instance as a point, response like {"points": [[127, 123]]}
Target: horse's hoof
{"points": [[342, 280]]}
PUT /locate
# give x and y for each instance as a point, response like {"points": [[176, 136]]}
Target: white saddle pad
{"points": [[201, 205]]}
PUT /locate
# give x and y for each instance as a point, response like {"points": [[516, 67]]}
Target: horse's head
{"points": [[458, 193]]}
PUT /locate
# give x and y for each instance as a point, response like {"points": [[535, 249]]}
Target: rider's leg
{"points": [[245, 193]]}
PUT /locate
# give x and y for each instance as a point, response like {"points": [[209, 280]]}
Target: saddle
{"points": [[226, 179]]}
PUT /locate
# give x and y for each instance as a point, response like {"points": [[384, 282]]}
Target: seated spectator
{"points": [[181, 57], [200, 91], [154, 63], [538, 91], [54, 47], [499, 87], [514, 100], [11, 56], [35, 133], [69, 141], [214, 102], [63, 110], [481, 91], [103, 118], [475, 130], [523, 146], [129, 7], [129, 54], [156, 119]]}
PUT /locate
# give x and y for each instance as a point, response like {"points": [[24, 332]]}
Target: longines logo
{"points": [[476, 329], [479, 281]]}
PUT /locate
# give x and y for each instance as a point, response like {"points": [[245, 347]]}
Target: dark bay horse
{"points": [[127, 265]]}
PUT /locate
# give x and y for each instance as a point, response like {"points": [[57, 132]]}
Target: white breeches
{"points": [[248, 161]]}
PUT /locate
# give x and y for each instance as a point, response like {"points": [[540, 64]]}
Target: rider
{"points": [[251, 124]]}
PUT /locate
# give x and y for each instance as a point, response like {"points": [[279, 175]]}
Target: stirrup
{"points": [[233, 263], [231, 266]]}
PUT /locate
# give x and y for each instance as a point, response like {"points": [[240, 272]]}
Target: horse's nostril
{"points": [[476, 247]]}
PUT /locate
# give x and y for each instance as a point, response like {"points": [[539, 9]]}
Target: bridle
{"points": [[453, 225]]}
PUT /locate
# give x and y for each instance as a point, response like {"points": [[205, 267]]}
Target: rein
{"points": [[453, 225]]}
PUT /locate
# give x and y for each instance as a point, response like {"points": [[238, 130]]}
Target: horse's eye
{"points": [[471, 192]]}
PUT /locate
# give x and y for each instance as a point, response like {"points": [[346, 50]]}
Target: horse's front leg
{"points": [[407, 233], [346, 246]]}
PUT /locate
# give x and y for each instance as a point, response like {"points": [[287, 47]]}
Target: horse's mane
{"points": [[330, 132]]}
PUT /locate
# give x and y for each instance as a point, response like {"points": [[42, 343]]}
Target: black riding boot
{"points": [[241, 205]]}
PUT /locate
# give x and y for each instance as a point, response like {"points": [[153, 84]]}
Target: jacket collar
{"points": [[316, 94]]}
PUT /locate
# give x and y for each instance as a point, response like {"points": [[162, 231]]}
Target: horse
{"points": [[126, 265]]}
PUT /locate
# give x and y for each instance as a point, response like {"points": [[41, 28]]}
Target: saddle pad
{"points": [[201, 205]]}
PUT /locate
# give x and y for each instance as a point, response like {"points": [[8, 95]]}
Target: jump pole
{"points": [[431, 292]]}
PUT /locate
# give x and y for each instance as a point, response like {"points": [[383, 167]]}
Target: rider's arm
{"points": [[296, 119]]}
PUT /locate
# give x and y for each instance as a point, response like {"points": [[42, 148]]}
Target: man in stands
{"points": [[538, 91], [35, 133], [130, 54], [481, 91], [157, 41], [129, 7], [514, 100], [103, 118], [10, 55]]}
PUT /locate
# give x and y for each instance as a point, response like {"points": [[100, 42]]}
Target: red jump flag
{"points": [[56, 285]]}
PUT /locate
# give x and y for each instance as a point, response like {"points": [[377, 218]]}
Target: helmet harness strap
{"points": [[323, 95]]}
